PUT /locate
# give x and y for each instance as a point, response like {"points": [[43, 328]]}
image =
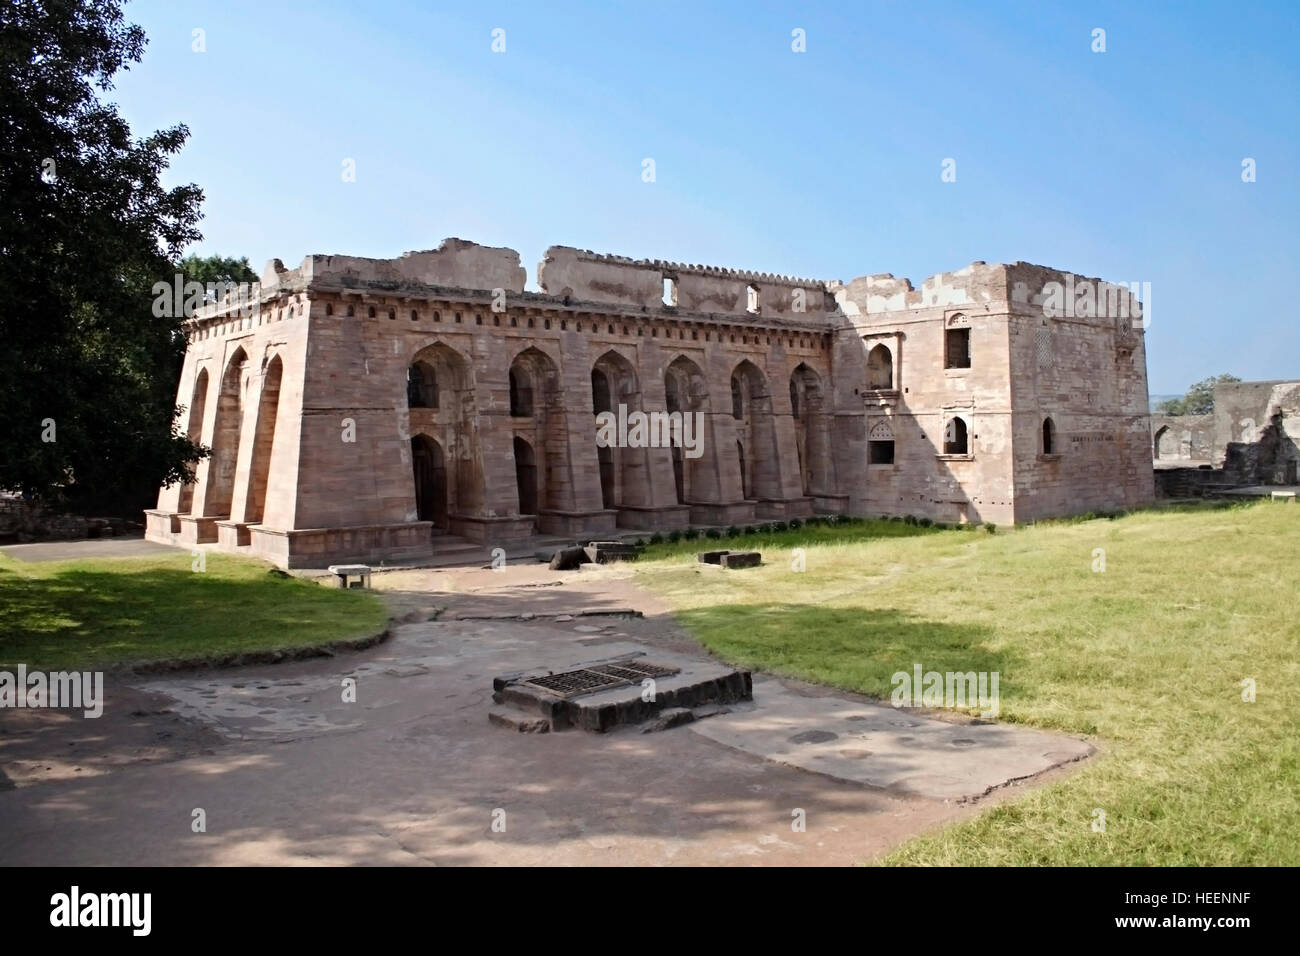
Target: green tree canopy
{"points": [[205, 269], [88, 372], [1199, 399]]}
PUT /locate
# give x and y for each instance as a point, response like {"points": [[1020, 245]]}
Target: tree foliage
{"points": [[217, 269], [1199, 399], [86, 229]]}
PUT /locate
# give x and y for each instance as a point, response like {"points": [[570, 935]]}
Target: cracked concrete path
{"points": [[288, 772]]}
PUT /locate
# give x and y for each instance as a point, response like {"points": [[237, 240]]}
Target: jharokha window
{"points": [[880, 368], [955, 439]]}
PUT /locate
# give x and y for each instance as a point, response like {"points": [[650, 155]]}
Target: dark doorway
{"points": [[744, 470], [526, 477], [430, 481], [678, 474], [606, 457]]}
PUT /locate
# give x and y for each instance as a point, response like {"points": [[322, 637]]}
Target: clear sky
{"points": [[1125, 164]]}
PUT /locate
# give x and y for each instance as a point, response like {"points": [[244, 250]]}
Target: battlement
{"points": [[658, 284], [576, 275], [682, 268]]}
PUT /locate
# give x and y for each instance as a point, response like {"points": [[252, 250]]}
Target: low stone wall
{"points": [[23, 520], [1192, 482]]}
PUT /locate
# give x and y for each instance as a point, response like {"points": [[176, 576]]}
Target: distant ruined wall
{"points": [[1182, 437], [1257, 430]]}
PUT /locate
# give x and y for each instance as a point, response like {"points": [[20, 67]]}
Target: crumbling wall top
{"points": [[979, 284], [594, 277], [456, 263]]}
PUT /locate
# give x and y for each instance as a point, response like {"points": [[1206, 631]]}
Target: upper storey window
{"points": [[956, 347], [880, 368]]}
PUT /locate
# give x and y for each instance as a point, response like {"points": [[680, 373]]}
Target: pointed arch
{"points": [[194, 431], [540, 422], [755, 432], [263, 442], [1160, 444], [624, 472], [449, 421], [811, 427], [686, 392], [956, 437], [225, 437], [430, 475], [880, 367]]}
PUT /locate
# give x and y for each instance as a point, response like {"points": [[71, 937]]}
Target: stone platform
{"points": [[598, 695]]}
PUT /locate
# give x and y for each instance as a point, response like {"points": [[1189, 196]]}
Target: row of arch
{"points": [[445, 454], [219, 488]]}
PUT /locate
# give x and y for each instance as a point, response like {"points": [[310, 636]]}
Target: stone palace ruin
{"points": [[369, 409]]}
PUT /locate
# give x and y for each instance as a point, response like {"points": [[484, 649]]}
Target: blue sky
{"points": [[1124, 164]]}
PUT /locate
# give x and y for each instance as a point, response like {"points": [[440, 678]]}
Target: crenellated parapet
{"points": [[657, 284]]}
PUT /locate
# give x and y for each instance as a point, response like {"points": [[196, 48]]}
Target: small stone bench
{"points": [[342, 572]]}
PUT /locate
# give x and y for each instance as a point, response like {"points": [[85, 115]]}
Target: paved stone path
{"points": [[286, 771]]}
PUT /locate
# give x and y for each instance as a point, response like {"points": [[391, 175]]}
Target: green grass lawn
{"points": [[1147, 658], [91, 614]]}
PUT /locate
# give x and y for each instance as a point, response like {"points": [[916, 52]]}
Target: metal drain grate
{"points": [[588, 680], [634, 671]]}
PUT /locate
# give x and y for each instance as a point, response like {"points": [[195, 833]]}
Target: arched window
{"points": [[1049, 437], [521, 395], [751, 300], [880, 368], [955, 438], [421, 386], [600, 395]]}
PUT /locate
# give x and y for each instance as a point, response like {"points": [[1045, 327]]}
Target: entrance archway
{"points": [[430, 469], [526, 476]]}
